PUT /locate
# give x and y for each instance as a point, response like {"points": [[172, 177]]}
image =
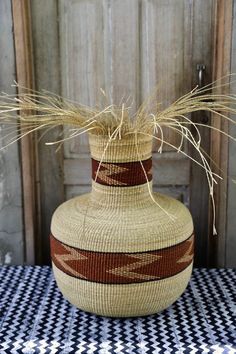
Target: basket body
{"points": [[121, 251]]}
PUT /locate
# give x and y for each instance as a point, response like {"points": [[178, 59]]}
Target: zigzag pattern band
{"points": [[122, 174], [122, 268]]}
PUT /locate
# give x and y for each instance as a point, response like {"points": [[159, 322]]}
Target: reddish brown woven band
{"points": [[122, 174], [122, 268]]}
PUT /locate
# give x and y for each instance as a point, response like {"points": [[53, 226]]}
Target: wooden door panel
{"points": [[127, 48], [82, 60], [121, 51], [166, 63], [202, 53], [47, 70], [99, 49]]}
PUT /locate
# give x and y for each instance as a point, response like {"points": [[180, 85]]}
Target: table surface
{"points": [[35, 318]]}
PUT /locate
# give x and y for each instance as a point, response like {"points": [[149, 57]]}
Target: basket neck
{"points": [[121, 170]]}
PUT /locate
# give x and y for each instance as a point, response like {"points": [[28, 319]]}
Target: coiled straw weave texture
{"points": [[122, 250]]}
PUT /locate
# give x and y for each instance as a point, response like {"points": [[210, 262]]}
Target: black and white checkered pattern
{"points": [[35, 318]]}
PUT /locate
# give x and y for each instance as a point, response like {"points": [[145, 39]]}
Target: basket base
{"points": [[122, 300]]}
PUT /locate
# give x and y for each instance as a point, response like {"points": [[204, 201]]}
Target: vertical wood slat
{"points": [[202, 32], [47, 76], [24, 73], [165, 54], [82, 59], [231, 200], [99, 49], [219, 143], [121, 51], [11, 218]]}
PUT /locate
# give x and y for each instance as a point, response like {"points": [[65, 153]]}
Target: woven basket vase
{"points": [[115, 252]]}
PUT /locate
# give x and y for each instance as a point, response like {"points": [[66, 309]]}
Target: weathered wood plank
{"points": [[230, 247], [82, 58], [24, 77], [75, 191], [121, 51], [77, 172], [97, 53], [219, 143], [47, 76], [168, 169], [11, 218], [165, 54], [202, 39]]}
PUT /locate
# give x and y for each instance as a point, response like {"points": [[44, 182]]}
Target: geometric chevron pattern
{"points": [[35, 318], [122, 174], [119, 267]]}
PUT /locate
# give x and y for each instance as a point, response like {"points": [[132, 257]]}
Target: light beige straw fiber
{"points": [[122, 250], [126, 300]]}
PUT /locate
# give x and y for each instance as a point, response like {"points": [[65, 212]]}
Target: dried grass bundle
{"points": [[32, 111]]}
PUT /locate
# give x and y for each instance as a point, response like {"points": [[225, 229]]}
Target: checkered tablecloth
{"points": [[35, 318]]}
